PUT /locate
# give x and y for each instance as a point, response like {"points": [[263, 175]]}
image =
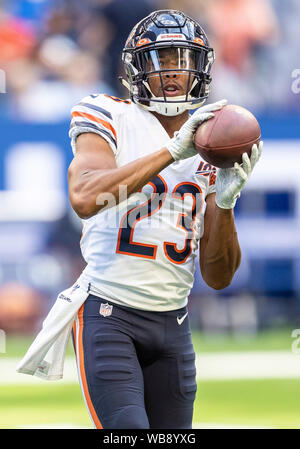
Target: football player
{"points": [[132, 337]]}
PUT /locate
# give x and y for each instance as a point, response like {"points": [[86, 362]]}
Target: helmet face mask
{"points": [[167, 65]]}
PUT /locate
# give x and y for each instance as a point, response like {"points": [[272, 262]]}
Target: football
{"points": [[223, 139]]}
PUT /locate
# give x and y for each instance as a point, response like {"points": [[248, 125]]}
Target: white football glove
{"points": [[230, 181], [181, 146]]}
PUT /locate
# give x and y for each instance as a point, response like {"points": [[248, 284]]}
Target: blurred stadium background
{"points": [[52, 54]]}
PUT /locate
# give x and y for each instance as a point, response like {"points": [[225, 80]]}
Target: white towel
{"points": [[45, 357]]}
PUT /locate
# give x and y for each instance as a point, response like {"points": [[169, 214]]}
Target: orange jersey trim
{"points": [[95, 119]]}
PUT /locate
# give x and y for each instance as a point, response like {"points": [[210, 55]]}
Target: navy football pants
{"points": [[136, 368]]}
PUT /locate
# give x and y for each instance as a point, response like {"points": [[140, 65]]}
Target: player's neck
{"points": [[172, 124]]}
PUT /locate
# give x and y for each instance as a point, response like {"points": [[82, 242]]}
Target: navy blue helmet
{"points": [[144, 57]]}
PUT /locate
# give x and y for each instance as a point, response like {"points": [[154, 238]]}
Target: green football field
{"points": [[255, 403], [271, 403]]}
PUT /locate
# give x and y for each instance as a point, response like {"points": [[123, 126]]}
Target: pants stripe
{"points": [[74, 336], [81, 370]]}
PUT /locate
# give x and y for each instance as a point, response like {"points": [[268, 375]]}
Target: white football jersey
{"points": [[141, 252]]}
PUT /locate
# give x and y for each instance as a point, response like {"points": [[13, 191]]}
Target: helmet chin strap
{"points": [[172, 108], [169, 109]]}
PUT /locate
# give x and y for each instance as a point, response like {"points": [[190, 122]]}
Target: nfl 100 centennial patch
{"points": [[105, 309]]}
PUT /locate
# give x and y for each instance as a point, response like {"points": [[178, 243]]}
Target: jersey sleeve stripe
{"points": [[95, 119], [96, 108], [96, 128]]}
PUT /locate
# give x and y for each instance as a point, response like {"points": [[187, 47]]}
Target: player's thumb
{"points": [[200, 118]]}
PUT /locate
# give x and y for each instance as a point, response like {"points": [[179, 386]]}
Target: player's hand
{"points": [[181, 146], [230, 181]]}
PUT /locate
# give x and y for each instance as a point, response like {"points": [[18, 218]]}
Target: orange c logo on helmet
{"points": [[199, 41], [143, 41]]}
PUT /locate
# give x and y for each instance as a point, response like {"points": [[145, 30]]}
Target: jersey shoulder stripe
{"points": [[96, 108], [94, 114], [94, 119], [91, 127]]}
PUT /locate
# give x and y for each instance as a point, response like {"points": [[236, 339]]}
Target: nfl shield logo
{"points": [[105, 309]]}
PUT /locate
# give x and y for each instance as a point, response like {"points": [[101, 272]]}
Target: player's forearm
{"points": [[88, 195], [222, 255]]}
